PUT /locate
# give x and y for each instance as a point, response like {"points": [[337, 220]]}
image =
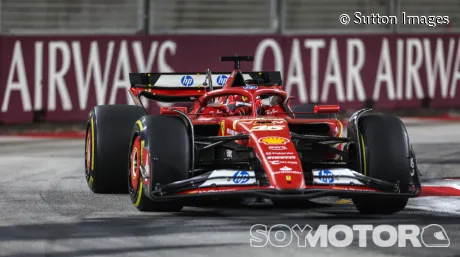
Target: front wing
{"points": [[240, 184]]}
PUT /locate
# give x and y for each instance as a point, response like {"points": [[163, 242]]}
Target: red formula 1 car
{"points": [[241, 139]]}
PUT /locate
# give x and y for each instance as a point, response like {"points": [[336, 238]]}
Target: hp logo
{"points": [[221, 80], [240, 177], [326, 176], [187, 80]]}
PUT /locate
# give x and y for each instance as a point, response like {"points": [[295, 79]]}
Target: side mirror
{"points": [[327, 109], [170, 110], [288, 100]]}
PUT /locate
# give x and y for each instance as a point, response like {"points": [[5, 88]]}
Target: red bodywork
{"points": [[269, 133]]}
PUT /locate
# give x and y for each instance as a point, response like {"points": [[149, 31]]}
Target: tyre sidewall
{"points": [[110, 126], [386, 149], [166, 142]]}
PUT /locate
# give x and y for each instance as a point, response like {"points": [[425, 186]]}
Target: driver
{"points": [[238, 105]]}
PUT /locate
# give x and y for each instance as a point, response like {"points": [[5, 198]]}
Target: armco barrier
{"points": [[62, 78]]}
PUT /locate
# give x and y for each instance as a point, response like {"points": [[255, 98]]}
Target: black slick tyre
{"points": [[161, 147], [386, 157], [108, 134]]}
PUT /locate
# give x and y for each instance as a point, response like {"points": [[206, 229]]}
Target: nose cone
{"points": [[281, 162], [277, 153]]}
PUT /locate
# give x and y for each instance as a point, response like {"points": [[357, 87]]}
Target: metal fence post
{"points": [[397, 10], [146, 17], [279, 16], [1, 6]]}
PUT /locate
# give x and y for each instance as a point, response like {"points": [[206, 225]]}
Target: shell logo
{"points": [[274, 140]]}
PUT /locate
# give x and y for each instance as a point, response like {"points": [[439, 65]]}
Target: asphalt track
{"points": [[46, 209]]}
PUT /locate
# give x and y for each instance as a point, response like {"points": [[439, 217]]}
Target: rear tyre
{"points": [[386, 157], [165, 146], [108, 133]]}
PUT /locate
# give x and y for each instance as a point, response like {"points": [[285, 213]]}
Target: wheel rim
{"points": [[135, 165], [88, 151]]}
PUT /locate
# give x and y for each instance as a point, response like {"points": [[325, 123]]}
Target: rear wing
{"points": [[194, 81]]}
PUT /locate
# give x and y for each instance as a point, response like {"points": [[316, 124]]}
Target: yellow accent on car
{"points": [[288, 178], [139, 123], [91, 182], [274, 140], [142, 151], [364, 154], [92, 143], [340, 128], [343, 201], [139, 194], [222, 127]]}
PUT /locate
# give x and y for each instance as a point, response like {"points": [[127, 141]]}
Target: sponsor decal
{"points": [[337, 176], [288, 178], [281, 157], [231, 132], [278, 162], [244, 98], [326, 176], [278, 122], [229, 153], [272, 111], [267, 128], [412, 166], [186, 80], [287, 172], [250, 87], [221, 80], [279, 153], [274, 140], [353, 189], [277, 147], [200, 191], [241, 177], [229, 177]]}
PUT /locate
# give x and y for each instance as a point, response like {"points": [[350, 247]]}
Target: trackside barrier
{"points": [[60, 78]]}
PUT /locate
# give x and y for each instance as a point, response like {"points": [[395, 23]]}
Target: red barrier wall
{"points": [[68, 75]]}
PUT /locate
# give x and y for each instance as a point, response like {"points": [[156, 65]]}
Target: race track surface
{"points": [[48, 210]]}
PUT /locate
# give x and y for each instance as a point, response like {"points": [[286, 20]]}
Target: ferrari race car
{"points": [[237, 137]]}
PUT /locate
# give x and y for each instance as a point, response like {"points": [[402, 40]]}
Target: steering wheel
{"points": [[240, 109]]}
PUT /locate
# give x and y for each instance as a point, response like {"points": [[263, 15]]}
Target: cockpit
{"points": [[234, 104]]}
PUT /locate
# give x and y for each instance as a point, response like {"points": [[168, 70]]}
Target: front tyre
{"points": [[386, 156], [161, 149], [108, 133]]}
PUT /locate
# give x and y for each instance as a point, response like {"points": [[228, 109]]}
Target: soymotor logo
{"points": [[282, 235]]}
